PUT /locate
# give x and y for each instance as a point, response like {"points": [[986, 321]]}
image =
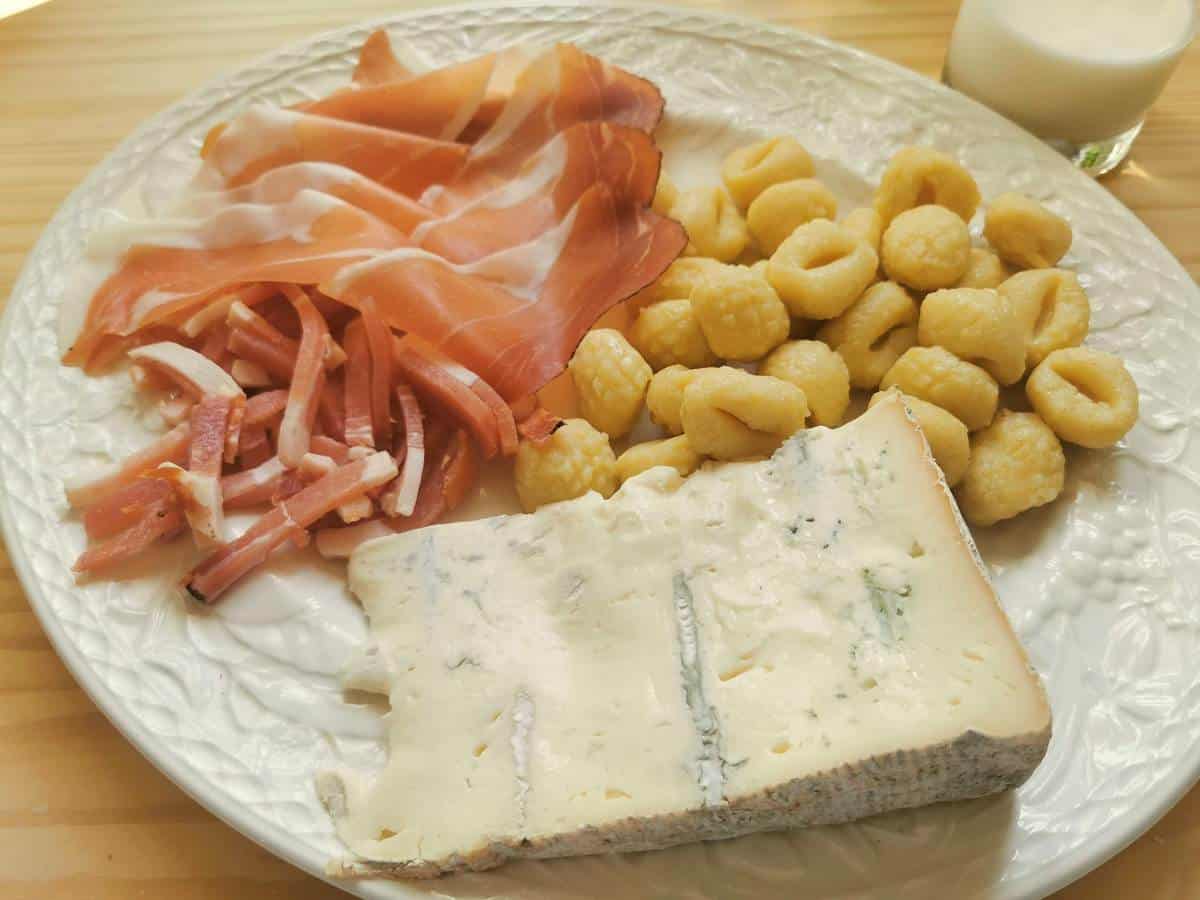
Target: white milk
{"points": [[1073, 70]]}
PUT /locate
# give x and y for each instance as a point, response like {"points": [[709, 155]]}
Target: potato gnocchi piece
{"points": [[866, 225], [984, 270], [817, 370], [978, 325], [730, 414], [675, 452], [1052, 308], [678, 281], [873, 333], [926, 248], [748, 171], [665, 395], [935, 374], [1087, 396], [1025, 233], [610, 379], [949, 441], [714, 227], [918, 176], [575, 459], [665, 195], [782, 208], [668, 334], [821, 269], [740, 314], [1016, 464]]}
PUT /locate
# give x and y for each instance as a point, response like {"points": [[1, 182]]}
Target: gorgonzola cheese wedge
{"points": [[805, 640]]}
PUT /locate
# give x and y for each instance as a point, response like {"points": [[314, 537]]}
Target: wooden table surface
{"points": [[82, 814]]}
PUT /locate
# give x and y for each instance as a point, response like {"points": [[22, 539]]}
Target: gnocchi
{"points": [[1025, 233], [668, 333], [935, 374], [873, 333], [731, 414], [984, 270], [926, 248], [978, 325], [610, 379], [741, 316], [1052, 308], [665, 195], [818, 371], [714, 227], [678, 281], [1016, 464], [918, 176], [782, 208], [1087, 396], [575, 459], [748, 171], [665, 396], [821, 269], [864, 223], [675, 452], [948, 439]]}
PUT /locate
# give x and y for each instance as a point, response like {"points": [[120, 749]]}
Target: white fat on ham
{"points": [[279, 185], [202, 503], [197, 372]]}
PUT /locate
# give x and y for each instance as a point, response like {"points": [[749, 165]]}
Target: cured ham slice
{"points": [[125, 507], [379, 345], [254, 448], [519, 335], [308, 380], [305, 241], [266, 137], [253, 486], [158, 522], [377, 62], [191, 370], [359, 430], [539, 425], [199, 485], [265, 408], [401, 497], [216, 310], [287, 521], [170, 447]]}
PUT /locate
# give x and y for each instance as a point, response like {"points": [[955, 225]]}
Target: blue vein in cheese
{"points": [[710, 767]]}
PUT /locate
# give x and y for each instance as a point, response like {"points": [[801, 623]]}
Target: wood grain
{"points": [[82, 814]]}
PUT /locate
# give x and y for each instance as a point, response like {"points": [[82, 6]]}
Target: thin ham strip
{"points": [[401, 496], [379, 343], [539, 425], [293, 516], [202, 495], [250, 374], [217, 309], [170, 447], [125, 507], [359, 429], [191, 370], [377, 62], [308, 380], [253, 486], [254, 448], [337, 451], [265, 408], [159, 521]]}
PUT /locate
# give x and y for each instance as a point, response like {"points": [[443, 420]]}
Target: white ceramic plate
{"points": [[240, 707]]}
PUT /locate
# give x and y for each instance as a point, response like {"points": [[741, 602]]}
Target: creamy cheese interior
{"points": [[686, 643]]}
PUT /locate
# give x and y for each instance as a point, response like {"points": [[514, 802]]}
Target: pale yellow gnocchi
{"points": [[784, 207], [575, 459], [948, 439], [714, 227], [866, 225], [731, 414], [821, 269], [664, 397], [1016, 464], [748, 171], [935, 374], [926, 248], [610, 379], [1087, 396], [984, 270], [677, 282], [1025, 233], [668, 334], [740, 314], [873, 333], [665, 195], [1052, 308], [978, 325], [817, 370], [918, 176], [675, 452]]}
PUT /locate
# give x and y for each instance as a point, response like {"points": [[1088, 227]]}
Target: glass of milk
{"points": [[1081, 74]]}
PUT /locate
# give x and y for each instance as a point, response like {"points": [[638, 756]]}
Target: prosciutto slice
{"points": [[377, 61]]}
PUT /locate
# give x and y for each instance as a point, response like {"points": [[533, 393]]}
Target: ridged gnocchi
{"points": [[782, 208], [664, 397], [978, 325], [873, 333], [1087, 396], [731, 414], [668, 333], [675, 452], [935, 374], [740, 314], [926, 248], [948, 439], [821, 269], [1016, 464], [678, 281], [817, 370], [1025, 233], [574, 460], [1052, 308], [984, 270], [917, 176], [750, 170], [610, 379], [714, 227]]}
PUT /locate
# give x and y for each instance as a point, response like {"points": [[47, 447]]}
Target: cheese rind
{"points": [[807, 640]]}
